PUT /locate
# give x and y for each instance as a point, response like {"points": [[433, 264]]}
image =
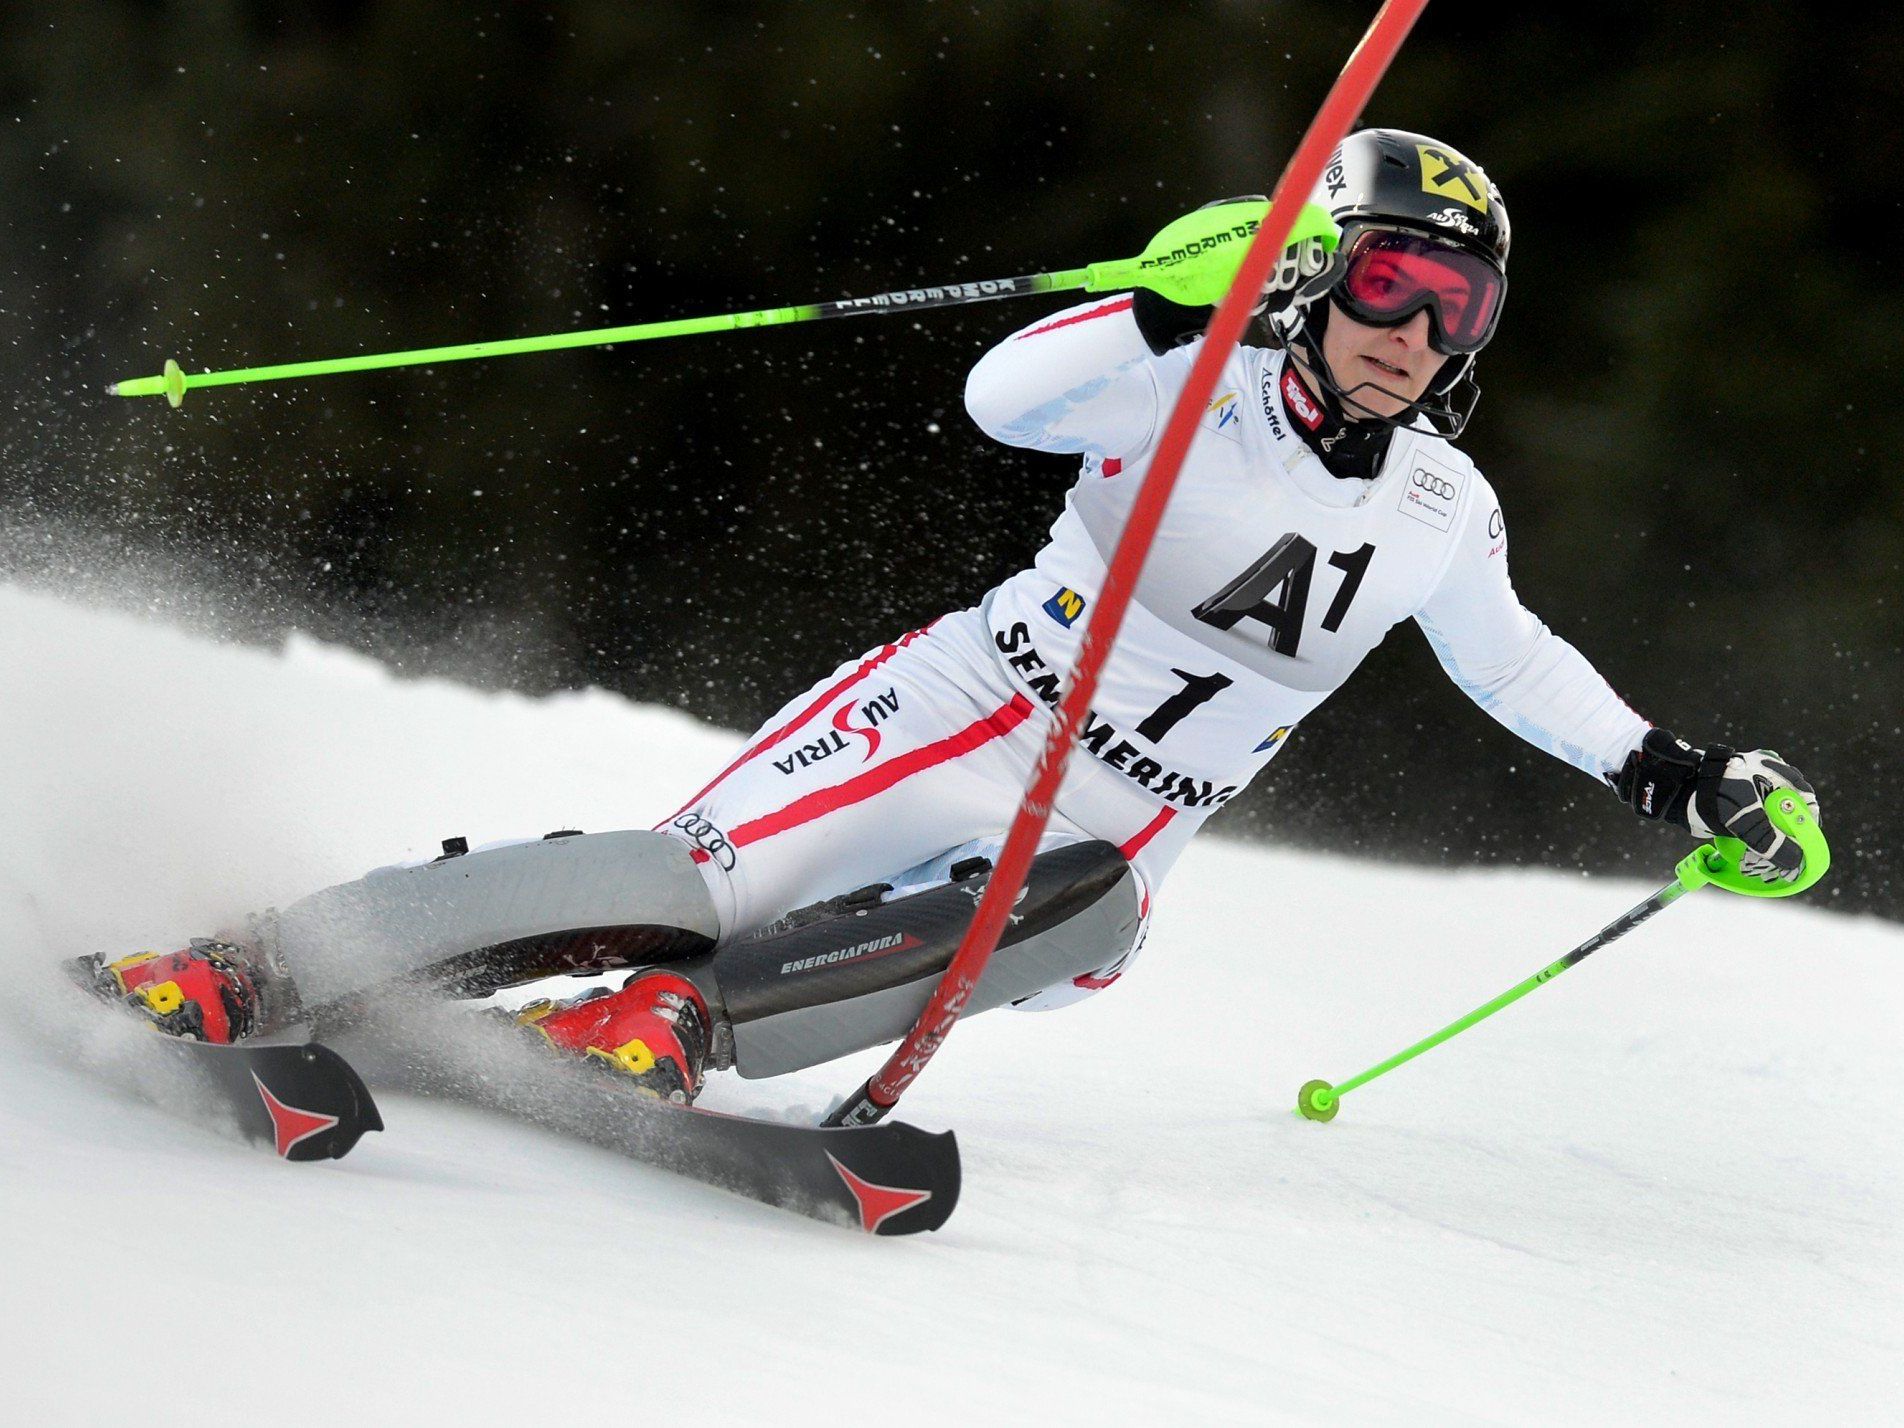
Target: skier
{"points": [[1322, 503]]}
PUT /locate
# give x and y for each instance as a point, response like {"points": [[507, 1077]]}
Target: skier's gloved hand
{"points": [[1166, 324], [1714, 791]]}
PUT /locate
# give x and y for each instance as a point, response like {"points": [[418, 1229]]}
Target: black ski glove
{"points": [[1714, 791], [1166, 324]]}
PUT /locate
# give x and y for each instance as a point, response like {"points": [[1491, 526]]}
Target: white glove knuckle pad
{"points": [[1733, 806]]}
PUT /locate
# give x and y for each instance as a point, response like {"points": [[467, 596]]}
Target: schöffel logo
{"points": [[1269, 408], [1065, 606], [873, 946]]}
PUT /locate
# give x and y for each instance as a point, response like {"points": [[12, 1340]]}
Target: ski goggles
{"points": [[1389, 275]]}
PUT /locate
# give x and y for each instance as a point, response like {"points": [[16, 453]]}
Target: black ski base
{"points": [[892, 1179]]}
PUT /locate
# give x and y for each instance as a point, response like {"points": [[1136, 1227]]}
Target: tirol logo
{"points": [[1448, 175], [873, 712], [1430, 496], [1296, 397], [1065, 606]]}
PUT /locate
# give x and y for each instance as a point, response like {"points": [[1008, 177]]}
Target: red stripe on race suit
{"points": [[1120, 305], [767, 741], [1150, 830], [1130, 849], [857, 789], [1111, 467]]}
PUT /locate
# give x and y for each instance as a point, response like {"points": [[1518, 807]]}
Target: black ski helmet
{"points": [[1390, 178]]}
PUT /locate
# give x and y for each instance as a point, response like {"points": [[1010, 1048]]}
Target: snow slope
{"points": [[1666, 1188]]}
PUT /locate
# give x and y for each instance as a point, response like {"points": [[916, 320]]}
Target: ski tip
{"points": [[329, 1129], [899, 1180]]}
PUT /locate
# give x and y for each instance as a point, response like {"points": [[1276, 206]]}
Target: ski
{"points": [[302, 1100], [890, 1179]]}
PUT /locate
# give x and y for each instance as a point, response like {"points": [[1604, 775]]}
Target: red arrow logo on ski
{"points": [[877, 1203], [292, 1126]]}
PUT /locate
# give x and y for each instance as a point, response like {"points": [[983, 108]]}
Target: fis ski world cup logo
{"points": [[1065, 606], [1220, 415], [1447, 175]]}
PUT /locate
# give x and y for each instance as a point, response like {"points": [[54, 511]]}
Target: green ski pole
{"points": [[1717, 862], [1192, 261]]}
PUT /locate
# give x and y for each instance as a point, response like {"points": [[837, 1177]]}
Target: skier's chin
{"points": [[1379, 390]]}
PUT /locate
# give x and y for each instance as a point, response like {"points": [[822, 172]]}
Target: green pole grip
{"points": [[1720, 863], [1194, 260]]}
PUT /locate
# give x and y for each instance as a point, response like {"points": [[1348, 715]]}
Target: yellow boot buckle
{"points": [[164, 999], [634, 1057]]}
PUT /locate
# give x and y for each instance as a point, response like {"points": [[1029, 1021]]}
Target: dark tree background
{"points": [[1690, 412]]}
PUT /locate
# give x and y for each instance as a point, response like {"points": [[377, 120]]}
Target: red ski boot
{"points": [[653, 1031], [208, 992]]}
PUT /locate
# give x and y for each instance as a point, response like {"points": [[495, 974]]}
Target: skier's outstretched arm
{"points": [[1504, 658], [1541, 687]]}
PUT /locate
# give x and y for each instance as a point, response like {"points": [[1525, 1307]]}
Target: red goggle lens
{"points": [[1389, 277]]}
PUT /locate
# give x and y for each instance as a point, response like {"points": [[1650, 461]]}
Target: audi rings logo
{"points": [[708, 839], [1434, 485]]}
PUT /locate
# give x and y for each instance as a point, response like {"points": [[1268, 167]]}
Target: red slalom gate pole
{"points": [[1346, 99]]}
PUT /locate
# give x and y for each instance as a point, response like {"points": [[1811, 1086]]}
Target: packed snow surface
{"points": [[1666, 1187]]}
